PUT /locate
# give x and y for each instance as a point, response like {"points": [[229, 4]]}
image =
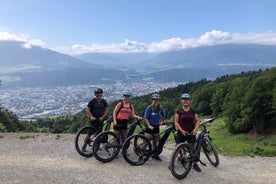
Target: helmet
{"points": [[185, 96], [126, 93], [155, 96], [99, 90]]}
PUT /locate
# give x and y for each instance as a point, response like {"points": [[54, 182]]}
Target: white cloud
{"points": [[213, 37], [4, 35]]}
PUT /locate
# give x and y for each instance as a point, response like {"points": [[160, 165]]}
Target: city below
{"points": [[34, 103]]}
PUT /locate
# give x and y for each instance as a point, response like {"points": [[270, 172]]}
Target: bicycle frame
{"points": [[166, 133]]}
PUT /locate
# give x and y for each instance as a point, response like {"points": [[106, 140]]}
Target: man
{"points": [[97, 110]]}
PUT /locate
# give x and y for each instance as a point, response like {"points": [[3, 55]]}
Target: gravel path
{"points": [[51, 158]]}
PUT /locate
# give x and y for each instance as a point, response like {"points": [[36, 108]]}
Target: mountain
{"points": [[27, 65], [118, 60]]}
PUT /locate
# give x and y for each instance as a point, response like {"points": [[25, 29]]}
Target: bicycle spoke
{"points": [[181, 161]]}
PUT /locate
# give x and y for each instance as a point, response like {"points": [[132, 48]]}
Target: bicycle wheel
{"points": [[181, 161], [210, 151], [106, 146], [136, 149], [84, 141]]}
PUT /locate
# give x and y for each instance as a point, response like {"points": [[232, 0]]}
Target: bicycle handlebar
{"points": [[205, 121]]}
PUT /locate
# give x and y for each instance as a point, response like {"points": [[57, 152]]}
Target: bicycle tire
{"points": [[136, 149], [79, 141], [210, 151], [106, 146], [181, 161]]}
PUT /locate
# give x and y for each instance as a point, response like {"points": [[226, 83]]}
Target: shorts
{"points": [[155, 130], [98, 125], [181, 138], [121, 124]]}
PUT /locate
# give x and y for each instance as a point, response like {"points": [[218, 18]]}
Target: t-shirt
{"points": [[125, 111], [186, 119], [97, 108], [155, 115]]}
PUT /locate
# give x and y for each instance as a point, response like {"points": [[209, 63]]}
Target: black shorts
{"points": [[121, 124], [181, 138], [155, 130], [98, 125]]}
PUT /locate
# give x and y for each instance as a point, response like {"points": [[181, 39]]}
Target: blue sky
{"points": [[78, 26]]}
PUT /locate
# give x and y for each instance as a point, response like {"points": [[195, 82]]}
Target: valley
{"points": [[36, 102]]}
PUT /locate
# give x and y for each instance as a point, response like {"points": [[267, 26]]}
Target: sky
{"points": [[79, 26]]}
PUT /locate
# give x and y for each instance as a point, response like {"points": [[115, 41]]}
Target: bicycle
{"points": [[137, 149], [89, 130], [184, 155], [107, 144]]}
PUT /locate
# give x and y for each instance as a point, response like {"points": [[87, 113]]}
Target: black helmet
{"points": [[99, 90], [155, 96]]}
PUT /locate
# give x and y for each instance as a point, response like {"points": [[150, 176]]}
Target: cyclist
{"points": [[186, 120], [154, 116], [121, 113], [97, 110]]}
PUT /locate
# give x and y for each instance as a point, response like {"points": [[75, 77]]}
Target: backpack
{"points": [[122, 104]]}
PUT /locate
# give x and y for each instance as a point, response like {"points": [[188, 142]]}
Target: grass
{"points": [[239, 144], [27, 136]]}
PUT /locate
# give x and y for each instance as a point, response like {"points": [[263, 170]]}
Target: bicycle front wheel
{"points": [[181, 161], [137, 149], [84, 141], [210, 151], [106, 146]]}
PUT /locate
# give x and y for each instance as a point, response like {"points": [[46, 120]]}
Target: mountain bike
{"points": [[107, 144], [89, 130], [137, 149], [184, 154]]}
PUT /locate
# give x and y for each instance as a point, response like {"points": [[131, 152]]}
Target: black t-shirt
{"points": [[186, 119], [97, 108]]}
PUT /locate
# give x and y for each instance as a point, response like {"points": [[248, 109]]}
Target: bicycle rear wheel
{"points": [[181, 161], [210, 151], [84, 141], [106, 146], [136, 149]]}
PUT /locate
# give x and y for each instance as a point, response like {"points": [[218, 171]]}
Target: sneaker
{"points": [[196, 167], [156, 157], [83, 149], [140, 159]]}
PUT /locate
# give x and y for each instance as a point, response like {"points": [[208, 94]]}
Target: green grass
{"points": [[239, 144], [27, 136]]}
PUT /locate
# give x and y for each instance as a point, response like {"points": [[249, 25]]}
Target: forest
{"points": [[245, 101]]}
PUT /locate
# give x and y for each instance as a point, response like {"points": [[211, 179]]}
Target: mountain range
{"points": [[27, 65]]}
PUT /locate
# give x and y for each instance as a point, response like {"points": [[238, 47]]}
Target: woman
{"points": [[123, 110], [154, 116], [186, 121]]}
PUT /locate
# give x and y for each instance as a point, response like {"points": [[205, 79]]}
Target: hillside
{"points": [[23, 65]]}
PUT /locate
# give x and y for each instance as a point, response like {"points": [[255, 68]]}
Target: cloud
{"points": [[213, 37], [28, 42]]}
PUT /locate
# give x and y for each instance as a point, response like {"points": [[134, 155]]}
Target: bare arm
{"points": [[197, 122], [91, 117]]}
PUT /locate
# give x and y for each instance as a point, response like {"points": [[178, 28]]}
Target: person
{"points": [[121, 113], [186, 120], [97, 110], [154, 116]]}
